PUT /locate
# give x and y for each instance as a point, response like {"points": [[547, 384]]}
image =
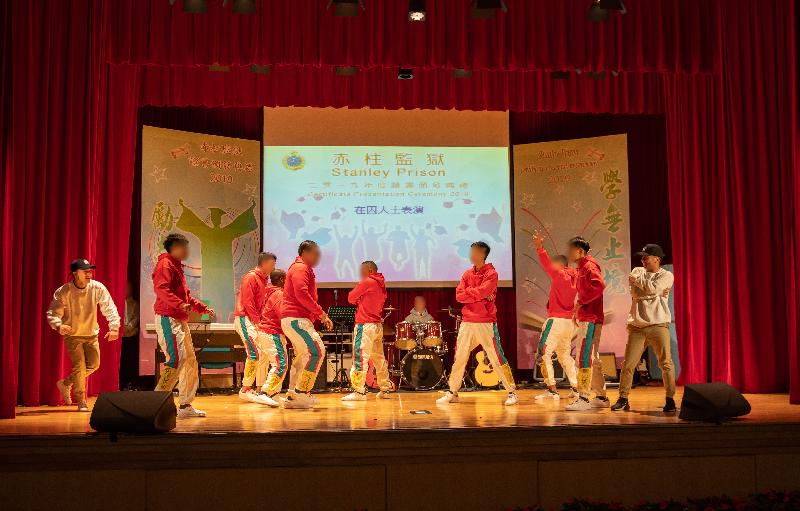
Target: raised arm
{"points": [[547, 264]]}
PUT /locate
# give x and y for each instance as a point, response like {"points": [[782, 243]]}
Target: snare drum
{"points": [[433, 334], [405, 336]]}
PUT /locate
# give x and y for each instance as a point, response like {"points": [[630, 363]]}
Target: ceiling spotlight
{"points": [[243, 6], [405, 74], [615, 73], [596, 75], [260, 70], [597, 13], [560, 75], [345, 70], [462, 73], [346, 7], [218, 68], [484, 9], [195, 6], [416, 10], [613, 5]]}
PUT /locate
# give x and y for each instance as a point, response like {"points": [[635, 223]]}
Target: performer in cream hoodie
{"points": [[648, 324], [73, 314]]}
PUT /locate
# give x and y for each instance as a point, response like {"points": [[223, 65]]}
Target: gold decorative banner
{"points": [[564, 189], [207, 188]]}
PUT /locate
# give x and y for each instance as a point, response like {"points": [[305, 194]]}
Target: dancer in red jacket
{"points": [[299, 310], [249, 304], [369, 295], [589, 316], [271, 341], [172, 306], [477, 291]]}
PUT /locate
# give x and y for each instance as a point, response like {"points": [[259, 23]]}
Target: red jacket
{"points": [[252, 295], [370, 295], [300, 292], [590, 291], [270, 322], [561, 302], [171, 290], [474, 291]]}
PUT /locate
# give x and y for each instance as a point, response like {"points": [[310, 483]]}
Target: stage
{"points": [[477, 454]]}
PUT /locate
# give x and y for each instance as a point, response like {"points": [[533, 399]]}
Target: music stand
{"points": [[344, 319]]}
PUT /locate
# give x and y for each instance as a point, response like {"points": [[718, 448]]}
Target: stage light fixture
{"points": [[597, 13], [596, 75], [405, 74], [195, 6], [462, 73], [613, 5], [244, 6], [260, 70], [345, 7], [485, 9], [219, 68], [615, 73], [416, 10], [560, 75], [345, 70]]}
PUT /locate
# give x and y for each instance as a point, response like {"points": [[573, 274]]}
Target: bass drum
{"points": [[422, 369]]}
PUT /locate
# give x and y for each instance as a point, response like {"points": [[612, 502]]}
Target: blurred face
{"points": [[558, 264], [83, 276], [651, 263], [419, 304], [180, 251], [575, 254], [365, 271], [267, 266], [477, 255], [312, 256]]}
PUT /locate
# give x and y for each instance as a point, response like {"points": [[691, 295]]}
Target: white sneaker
{"points": [[579, 405], [447, 398], [264, 399], [512, 399], [547, 394], [314, 399], [354, 396], [573, 394], [384, 394], [189, 412], [247, 396], [83, 407], [600, 403], [64, 390], [298, 400]]}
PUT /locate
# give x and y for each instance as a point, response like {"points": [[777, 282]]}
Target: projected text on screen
{"points": [[412, 210]]}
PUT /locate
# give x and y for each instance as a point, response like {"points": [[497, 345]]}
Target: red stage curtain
{"points": [[666, 35]]}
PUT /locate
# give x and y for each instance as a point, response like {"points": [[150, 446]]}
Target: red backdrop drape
{"points": [[723, 72]]}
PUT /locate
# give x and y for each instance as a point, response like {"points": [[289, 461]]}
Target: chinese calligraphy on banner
{"points": [[564, 189], [207, 188]]}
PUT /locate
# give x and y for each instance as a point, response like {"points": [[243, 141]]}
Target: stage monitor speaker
{"points": [[712, 402], [134, 412]]}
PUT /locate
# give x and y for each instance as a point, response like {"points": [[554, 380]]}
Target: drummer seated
{"points": [[419, 314]]}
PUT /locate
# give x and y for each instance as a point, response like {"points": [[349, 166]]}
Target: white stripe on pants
{"points": [[273, 350], [471, 335], [175, 341], [368, 347], [557, 338], [309, 351], [249, 335]]}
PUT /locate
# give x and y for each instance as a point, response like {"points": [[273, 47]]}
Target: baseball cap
{"points": [[80, 264], [651, 249]]}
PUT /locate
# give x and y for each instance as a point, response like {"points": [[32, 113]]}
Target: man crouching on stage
{"points": [[298, 311], [477, 291], [172, 306], [370, 295], [271, 341], [250, 302]]}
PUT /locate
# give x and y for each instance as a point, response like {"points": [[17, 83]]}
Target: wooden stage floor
{"points": [[481, 409]]}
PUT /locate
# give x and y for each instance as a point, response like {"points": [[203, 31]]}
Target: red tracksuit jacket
{"points": [[300, 292], [473, 291], [252, 295], [561, 302], [171, 290], [270, 322], [370, 295], [590, 291]]}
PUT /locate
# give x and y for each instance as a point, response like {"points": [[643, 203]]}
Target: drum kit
{"points": [[417, 355]]}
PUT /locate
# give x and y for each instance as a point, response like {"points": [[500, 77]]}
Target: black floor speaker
{"points": [[145, 412], [712, 402]]}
